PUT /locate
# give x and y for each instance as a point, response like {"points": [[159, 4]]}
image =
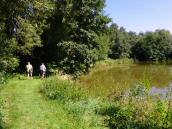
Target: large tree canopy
{"points": [[154, 46], [74, 39], [149, 46], [21, 24], [73, 34], [24, 20]]}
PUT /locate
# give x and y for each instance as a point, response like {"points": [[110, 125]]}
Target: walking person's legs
{"points": [[28, 75], [31, 75], [42, 74]]}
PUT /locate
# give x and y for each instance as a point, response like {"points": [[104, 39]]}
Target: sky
{"points": [[141, 15]]}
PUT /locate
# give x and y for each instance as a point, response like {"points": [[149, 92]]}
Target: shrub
{"points": [[78, 58], [4, 77], [138, 111], [133, 110], [62, 90]]}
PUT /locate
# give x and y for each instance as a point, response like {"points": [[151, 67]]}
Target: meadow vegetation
{"points": [[75, 37], [75, 101], [133, 109]]}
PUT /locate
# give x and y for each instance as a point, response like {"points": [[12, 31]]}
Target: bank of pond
{"points": [[135, 108], [115, 96]]}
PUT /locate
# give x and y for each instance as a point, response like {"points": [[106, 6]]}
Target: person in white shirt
{"points": [[29, 69], [43, 70]]}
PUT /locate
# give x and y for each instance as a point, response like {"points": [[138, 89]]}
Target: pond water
{"points": [[105, 80]]}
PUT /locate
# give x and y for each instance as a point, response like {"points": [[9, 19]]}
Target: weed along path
{"points": [[25, 108]]}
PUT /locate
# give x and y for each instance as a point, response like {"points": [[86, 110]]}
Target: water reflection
{"points": [[106, 80], [163, 93]]}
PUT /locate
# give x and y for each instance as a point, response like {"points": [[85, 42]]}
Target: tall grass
{"points": [[133, 109], [111, 62], [4, 77], [75, 101], [3, 80], [1, 114], [137, 110], [62, 90]]}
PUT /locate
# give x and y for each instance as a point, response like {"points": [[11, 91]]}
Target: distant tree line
{"points": [[72, 35], [149, 46]]}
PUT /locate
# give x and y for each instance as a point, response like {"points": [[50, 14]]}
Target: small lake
{"points": [[105, 80]]}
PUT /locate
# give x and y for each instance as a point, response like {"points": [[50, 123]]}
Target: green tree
{"points": [[77, 27], [8, 61], [22, 23], [120, 46], [153, 46]]}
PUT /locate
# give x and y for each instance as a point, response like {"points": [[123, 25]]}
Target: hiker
{"points": [[43, 70], [29, 69]]}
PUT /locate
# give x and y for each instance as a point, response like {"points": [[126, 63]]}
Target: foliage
{"points": [[40, 112], [78, 28], [74, 100], [61, 90], [1, 114], [104, 41], [149, 46], [139, 90], [111, 63], [137, 111], [153, 46], [77, 58], [120, 45], [133, 109], [8, 61], [2, 79], [21, 25], [24, 21], [84, 112]]}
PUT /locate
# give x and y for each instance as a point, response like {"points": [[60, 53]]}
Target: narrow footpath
{"points": [[26, 108]]}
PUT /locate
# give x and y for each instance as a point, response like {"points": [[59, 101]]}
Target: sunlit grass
{"points": [[26, 108]]}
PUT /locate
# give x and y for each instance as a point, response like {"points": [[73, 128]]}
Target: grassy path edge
{"points": [[26, 108]]}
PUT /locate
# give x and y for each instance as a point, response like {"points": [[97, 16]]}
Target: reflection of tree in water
{"points": [[124, 77]]}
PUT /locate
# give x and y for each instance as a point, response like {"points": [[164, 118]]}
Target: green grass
{"points": [[26, 108], [133, 109], [61, 104], [76, 102]]}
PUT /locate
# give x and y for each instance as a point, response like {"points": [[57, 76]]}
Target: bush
{"points": [[62, 90], [134, 109], [78, 58], [4, 77], [138, 111]]}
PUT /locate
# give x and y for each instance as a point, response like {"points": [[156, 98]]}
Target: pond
{"points": [[106, 80]]}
